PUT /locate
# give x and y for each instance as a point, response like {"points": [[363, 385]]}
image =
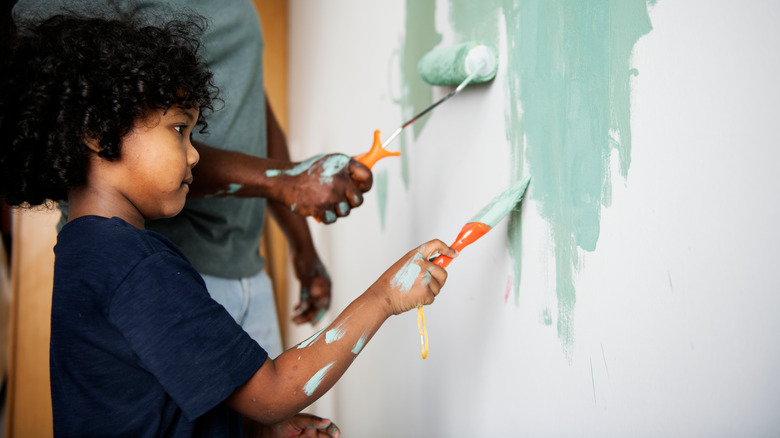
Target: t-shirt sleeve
{"points": [[188, 341]]}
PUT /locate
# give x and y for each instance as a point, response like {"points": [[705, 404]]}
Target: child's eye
{"points": [[180, 129]]}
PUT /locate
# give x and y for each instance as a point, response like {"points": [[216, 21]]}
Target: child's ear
{"points": [[93, 144]]}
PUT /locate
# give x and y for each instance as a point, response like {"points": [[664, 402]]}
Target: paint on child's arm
{"points": [[428, 276], [405, 277], [338, 331], [335, 333], [360, 343], [311, 340], [233, 188], [315, 381]]}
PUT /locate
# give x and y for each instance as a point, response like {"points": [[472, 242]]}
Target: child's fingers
{"points": [[438, 277], [435, 248]]}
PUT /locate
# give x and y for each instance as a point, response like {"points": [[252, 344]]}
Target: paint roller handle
{"points": [[468, 235], [376, 153]]}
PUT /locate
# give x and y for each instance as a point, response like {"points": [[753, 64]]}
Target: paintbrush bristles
{"points": [[502, 204]]}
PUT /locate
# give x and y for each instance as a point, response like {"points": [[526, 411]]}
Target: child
{"points": [[100, 112]]}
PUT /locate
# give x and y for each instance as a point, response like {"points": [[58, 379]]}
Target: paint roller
{"points": [[460, 65]]}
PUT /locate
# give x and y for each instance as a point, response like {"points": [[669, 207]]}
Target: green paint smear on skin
{"points": [[360, 343], [428, 277], [315, 381], [405, 277], [301, 167], [335, 334], [332, 166], [329, 167], [232, 189], [311, 340], [569, 64]]}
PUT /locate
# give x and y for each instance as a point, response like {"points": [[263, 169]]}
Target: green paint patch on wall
{"points": [[416, 95], [568, 74], [571, 68], [420, 37]]}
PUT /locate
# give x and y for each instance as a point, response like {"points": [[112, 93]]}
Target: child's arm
{"points": [[284, 386]]}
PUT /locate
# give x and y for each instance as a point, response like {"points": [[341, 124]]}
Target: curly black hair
{"points": [[70, 78]]}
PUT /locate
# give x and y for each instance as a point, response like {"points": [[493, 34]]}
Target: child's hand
{"points": [[301, 425], [414, 280]]}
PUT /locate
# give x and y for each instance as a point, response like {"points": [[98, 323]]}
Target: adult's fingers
{"points": [[361, 175]]}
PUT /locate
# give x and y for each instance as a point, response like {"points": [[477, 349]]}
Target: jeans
{"points": [[250, 301]]}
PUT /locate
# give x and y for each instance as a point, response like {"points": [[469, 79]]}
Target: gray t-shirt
{"points": [[220, 236]]}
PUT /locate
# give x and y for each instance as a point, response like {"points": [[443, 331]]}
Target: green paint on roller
{"points": [[452, 65]]}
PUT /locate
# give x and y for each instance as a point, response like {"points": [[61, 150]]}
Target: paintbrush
{"points": [[481, 223]]}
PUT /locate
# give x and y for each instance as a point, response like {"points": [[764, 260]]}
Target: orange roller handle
{"points": [[376, 153]]}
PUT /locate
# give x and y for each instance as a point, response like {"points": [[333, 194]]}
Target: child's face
{"points": [[157, 158]]}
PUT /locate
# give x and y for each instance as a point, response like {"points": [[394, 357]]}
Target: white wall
{"points": [[675, 327]]}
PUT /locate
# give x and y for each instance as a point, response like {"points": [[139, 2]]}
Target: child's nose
{"points": [[192, 155]]}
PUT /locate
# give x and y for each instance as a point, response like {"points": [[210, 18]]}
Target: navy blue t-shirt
{"points": [[138, 348]]}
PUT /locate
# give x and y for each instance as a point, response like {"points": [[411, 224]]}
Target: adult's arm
{"points": [[325, 187]]}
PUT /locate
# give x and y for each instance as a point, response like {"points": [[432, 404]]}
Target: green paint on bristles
{"points": [[502, 204], [450, 66]]}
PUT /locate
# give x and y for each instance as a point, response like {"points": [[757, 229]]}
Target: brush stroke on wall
{"points": [[568, 76]]}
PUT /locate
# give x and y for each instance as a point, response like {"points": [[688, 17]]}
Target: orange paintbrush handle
{"points": [[376, 153], [468, 235]]}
